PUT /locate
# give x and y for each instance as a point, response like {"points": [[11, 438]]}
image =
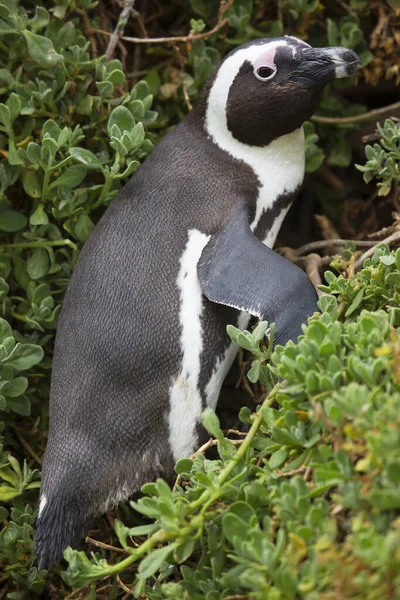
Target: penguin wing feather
{"points": [[238, 270]]}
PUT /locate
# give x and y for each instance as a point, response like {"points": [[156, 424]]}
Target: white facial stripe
{"points": [[185, 399]]}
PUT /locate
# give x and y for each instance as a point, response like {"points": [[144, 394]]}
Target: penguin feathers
{"points": [[183, 251]]}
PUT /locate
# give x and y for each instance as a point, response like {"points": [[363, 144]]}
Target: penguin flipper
{"points": [[238, 270]]}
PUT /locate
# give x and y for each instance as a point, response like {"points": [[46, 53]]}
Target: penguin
{"points": [[184, 250]]}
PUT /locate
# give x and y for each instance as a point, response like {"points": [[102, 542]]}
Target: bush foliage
{"points": [[306, 504]]}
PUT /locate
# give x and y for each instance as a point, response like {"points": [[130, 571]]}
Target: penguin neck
{"points": [[279, 166]]}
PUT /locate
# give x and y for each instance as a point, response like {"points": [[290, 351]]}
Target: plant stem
{"points": [[41, 244], [46, 179], [104, 192], [245, 446]]}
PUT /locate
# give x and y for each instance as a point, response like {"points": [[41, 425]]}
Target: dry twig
{"points": [[124, 587], [119, 30], [178, 38], [320, 244], [356, 118], [28, 447], [170, 40], [291, 473], [328, 229], [313, 263], [90, 540]]}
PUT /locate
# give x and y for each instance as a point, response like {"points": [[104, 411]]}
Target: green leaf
{"points": [[38, 263], [33, 152], [356, 303], [5, 330], [137, 135], [24, 356], [71, 177], [5, 115], [210, 422], [253, 374], [387, 260], [184, 551], [41, 49], [152, 563], [83, 227], [21, 405], [40, 20], [10, 476], [184, 465], [86, 157], [278, 458], [234, 527], [14, 105], [32, 184], [39, 216], [8, 493], [6, 29], [260, 331], [121, 117], [17, 387], [11, 220]]}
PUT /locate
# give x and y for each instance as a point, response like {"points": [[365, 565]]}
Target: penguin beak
{"points": [[320, 65]]}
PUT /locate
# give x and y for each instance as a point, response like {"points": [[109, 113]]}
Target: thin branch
{"points": [[124, 587], [313, 263], [88, 30], [119, 29], [291, 473], [235, 432], [169, 40], [75, 592], [89, 540], [346, 7], [28, 448], [335, 242], [392, 238], [356, 118]]}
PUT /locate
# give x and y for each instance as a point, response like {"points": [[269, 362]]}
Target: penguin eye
{"points": [[264, 73]]}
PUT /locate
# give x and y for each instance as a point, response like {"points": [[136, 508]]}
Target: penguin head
{"points": [[269, 87]]}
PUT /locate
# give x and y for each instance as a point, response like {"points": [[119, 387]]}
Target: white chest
{"points": [[280, 170]]}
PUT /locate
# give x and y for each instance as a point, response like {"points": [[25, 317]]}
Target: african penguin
{"points": [[184, 250]]}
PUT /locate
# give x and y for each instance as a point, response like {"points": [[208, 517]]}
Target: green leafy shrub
{"points": [[377, 285], [307, 504], [383, 158]]}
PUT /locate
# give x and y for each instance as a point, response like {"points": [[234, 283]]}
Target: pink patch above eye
{"points": [[266, 59]]}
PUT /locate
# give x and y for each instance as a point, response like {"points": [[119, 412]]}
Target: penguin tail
{"points": [[62, 522]]}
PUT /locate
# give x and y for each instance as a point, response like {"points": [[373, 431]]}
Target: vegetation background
{"points": [[306, 504]]}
